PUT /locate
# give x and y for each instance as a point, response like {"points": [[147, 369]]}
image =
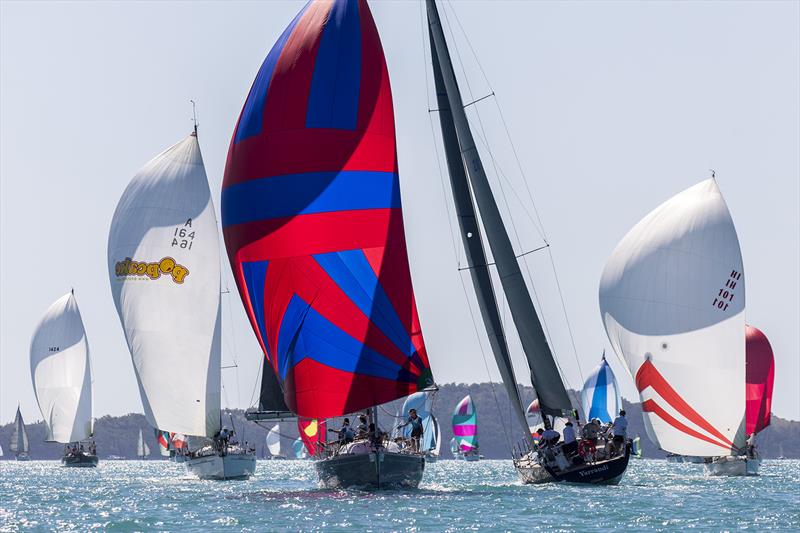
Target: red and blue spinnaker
{"points": [[312, 218]]}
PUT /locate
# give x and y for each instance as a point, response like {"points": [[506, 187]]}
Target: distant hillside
{"points": [[497, 431]]}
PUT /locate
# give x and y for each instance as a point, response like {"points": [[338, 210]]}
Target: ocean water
{"points": [[454, 496]]}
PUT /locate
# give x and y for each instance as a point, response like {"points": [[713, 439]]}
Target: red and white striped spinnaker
{"points": [[672, 300]]}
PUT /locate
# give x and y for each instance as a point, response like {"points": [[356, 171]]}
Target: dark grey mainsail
{"points": [[473, 245], [19, 437], [553, 399]]}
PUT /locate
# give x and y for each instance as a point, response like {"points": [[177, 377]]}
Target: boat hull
{"points": [[606, 472], [733, 466], [374, 470], [221, 467], [80, 460], [22, 456]]}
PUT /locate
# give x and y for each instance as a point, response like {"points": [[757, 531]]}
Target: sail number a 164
{"points": [[183, 237], [725, 294]]}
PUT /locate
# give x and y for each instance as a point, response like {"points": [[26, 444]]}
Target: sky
{"points": [[612, 107]]}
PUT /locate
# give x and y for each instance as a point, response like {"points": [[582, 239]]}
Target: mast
{"points": [[546, 380], [473, 246]]}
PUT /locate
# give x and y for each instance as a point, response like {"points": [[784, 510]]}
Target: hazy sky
{"points": [[613, 108]]}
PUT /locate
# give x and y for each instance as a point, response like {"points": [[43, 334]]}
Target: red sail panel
{"points": [[759, 378], [312, 218], [312, 432]]}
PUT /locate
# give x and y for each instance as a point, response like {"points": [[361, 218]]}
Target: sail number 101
{"points": [[725, 294]]}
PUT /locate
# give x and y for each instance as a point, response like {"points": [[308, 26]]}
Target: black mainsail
{"points": [[271, 404], [473, 245], [546, 380]]}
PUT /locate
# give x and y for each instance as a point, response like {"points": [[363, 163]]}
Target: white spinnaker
{"points": [[274, 440], [164, 268], [672, 300], [61, 372]]}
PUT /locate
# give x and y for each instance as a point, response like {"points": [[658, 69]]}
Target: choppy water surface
{"points": [[454, 496]]}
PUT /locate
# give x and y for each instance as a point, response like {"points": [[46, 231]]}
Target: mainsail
{"points": [[465, 425], [760, 377], [61, 372], [19, 436], [312, 218], [164, 268], [142, 449], [458, 138], [672, 300], [600, 394]]}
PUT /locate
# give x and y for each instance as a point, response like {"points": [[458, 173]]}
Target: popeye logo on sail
{"points": [[154, 270]]}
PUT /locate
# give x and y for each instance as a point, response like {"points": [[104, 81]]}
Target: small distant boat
{"points": [[683, 338], [759, 379], [19, 439], [433, 447], [274, 443], [299, 449], [454, 449], [142, 449], [312, 219], [164, 271], [62, 379], [465, 429], [421, 402], [164, 443], [636, 447]]}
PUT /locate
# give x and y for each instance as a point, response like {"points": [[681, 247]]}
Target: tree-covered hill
{"points": [[497, 430]]}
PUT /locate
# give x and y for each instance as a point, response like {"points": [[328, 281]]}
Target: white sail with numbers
{"points": [[61, 372], [672, 300], [164, 268]]}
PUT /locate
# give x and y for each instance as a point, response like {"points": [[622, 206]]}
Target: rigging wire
{"points": [[539, 226], [449, 219]]}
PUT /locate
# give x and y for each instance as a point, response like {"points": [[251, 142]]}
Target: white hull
{"points": [[220, 467], [733, 466]]}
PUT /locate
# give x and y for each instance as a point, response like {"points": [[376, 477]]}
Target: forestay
{"points": [[672, 300], [600, 394], [61, 372], [312, 218], [164, 268]]}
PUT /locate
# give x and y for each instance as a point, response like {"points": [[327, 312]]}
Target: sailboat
{"points": [[467, 179], [600, 394], [636, 447], [274, 443], [142, 449], [312, 433], [164, 270], [759, 381], [683, 338], [164, 445], [62, 380], [434, 446], [465, 429], [313, 225], [19, 439], [299, 449]]}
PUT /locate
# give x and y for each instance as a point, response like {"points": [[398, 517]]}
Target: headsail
{"points": [[19, 436], [465, 425], [299, 449], [312, 218], [545, 377], [164, 268], [436, 445], [600, 394], [672, 300], [62, 373], [760, 376]]}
